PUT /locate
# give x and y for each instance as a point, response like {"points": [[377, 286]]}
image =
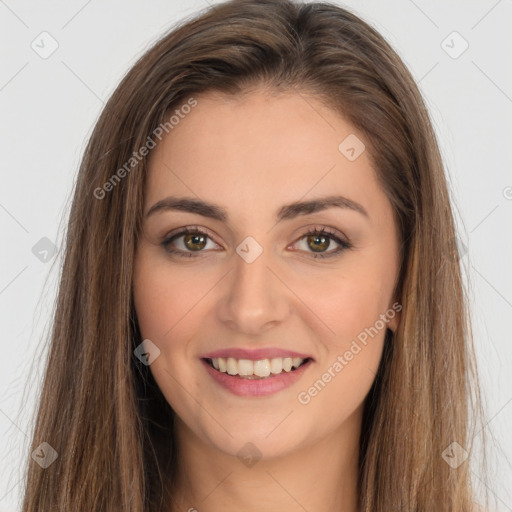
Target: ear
{"points": [[394, 314]]}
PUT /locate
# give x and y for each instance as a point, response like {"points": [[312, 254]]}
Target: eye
{"points": [[319, 240], [188, 241], [194, 240]]}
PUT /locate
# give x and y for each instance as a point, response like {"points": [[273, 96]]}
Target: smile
{"points": [[260, 369], [262, 377]]}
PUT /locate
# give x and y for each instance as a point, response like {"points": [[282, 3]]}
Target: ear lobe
{"points": [[394, 315], [393, 323]]}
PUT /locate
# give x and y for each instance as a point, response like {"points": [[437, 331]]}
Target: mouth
{"points": [[261, 369]]}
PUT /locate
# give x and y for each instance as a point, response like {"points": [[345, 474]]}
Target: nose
{"points": [[253, 299]]}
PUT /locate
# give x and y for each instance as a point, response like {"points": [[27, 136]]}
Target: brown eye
{"points": [[192, 242], [318, 243], [322, 243], [189, 242], [195, 241]]}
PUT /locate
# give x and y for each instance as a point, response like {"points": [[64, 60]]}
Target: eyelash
{"points": [[192, 230]]}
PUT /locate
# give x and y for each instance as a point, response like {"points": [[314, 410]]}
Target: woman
{"points": [[261, 305]]}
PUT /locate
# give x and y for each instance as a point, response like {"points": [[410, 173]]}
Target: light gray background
{"points": [[48, 108]]}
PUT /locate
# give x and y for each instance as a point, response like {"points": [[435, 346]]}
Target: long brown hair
{"points": [[100, 408]]}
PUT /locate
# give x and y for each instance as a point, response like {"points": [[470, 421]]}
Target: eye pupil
{"points": [[318, 239]]}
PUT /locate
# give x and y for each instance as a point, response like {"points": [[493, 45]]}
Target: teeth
{"points": [[245, 367], [232, 365], [261, 368], [296, 361], [276, 365]]}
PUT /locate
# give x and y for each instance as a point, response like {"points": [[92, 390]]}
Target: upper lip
{"points": [[254, 354]]}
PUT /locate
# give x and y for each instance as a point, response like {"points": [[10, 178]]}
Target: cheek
{"points": [[354, 316], [342, 379], [352, 305], [166, 318], [337, 391], [162, 295], [350, 302]]}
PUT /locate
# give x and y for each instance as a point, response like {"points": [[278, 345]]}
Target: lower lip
{"points": [[256, 387]]}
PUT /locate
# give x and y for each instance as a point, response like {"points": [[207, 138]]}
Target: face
{"points": [[261, 281]]}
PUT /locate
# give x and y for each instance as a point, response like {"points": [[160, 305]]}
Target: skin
{"points": [[251, 155]]}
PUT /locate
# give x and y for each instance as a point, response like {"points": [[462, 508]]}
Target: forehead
{"points": [[258, 150]]}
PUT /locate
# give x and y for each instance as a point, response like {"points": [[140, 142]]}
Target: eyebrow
{"points": [[286, 212]]}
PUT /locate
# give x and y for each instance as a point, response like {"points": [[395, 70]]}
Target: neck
{"points": [[321, 476]]}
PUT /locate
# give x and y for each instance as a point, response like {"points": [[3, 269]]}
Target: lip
{"points": [[254, 355], [256, 387]]}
